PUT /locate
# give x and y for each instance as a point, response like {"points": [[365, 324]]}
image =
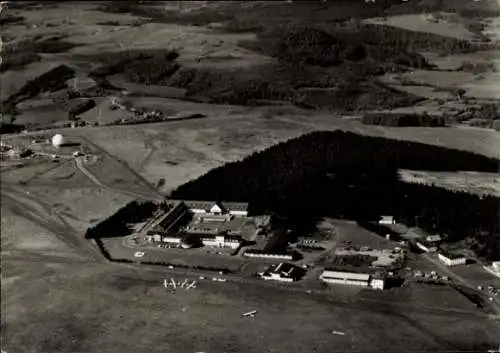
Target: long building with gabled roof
{"points": [[216, 207]]}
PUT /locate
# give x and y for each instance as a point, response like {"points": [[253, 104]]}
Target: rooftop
{"points": [[386, 218], [206, 205], [433, 238], [451, 256], [347, 275]]}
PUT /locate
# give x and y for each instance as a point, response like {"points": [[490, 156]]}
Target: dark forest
{"points": [[344, 175]]}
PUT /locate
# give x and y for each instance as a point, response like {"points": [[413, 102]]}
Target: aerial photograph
{"points": [[288, 176]]}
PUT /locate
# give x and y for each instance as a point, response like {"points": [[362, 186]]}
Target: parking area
{"points": [[180, 257], [357, 235], [384, 257]]}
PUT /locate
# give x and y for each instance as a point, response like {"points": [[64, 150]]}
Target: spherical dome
{"points": [[57, 140]]}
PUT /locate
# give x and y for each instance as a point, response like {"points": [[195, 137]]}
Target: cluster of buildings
{"points": [[15, 153], [220, 240], [286, 272], [214, 224], [429, 243]]}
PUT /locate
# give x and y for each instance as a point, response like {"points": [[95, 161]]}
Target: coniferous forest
{"points": [[344, 175]]}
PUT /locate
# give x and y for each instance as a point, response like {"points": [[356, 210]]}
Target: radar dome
{"points": [[57, 140]]}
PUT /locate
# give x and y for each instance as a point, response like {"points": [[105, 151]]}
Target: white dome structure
{"points": [[57, 140]]}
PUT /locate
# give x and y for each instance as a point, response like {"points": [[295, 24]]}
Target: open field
{"points": [[479, 183], [455, 61], [103, 114], [147, 90], [424, 294], [428, 23], [474, 85], [44, 172], [58, 292], [82, 206], [477, 275], [183, 150], [21, 234], [124, 303], [359, 236], [12, 81]]}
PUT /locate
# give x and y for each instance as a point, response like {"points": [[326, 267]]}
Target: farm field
{"points": [[479, 183], [427, 23], [22, 235], [83, 206], [147, 90], [12, 80], [455, 61], [182, 150]]}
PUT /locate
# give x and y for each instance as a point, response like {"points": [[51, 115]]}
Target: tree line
{"points": [[393, 119], [344, 175], [117, 224]]}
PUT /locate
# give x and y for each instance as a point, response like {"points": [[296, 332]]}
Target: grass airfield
{"points": [[88, 307], [58, 295]]}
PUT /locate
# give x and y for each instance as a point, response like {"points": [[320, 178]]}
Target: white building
{"points": [[433, 238], [387, 220], [218, 208], [494, 269], [452, 259], [422, 245], [377, 283], [172, 240], [153, 238], [260, 254], [222, 241], [283, 272], [348, 278]]}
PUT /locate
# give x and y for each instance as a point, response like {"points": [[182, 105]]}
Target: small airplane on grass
{"points": [[249, 314], [172, 284]]}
